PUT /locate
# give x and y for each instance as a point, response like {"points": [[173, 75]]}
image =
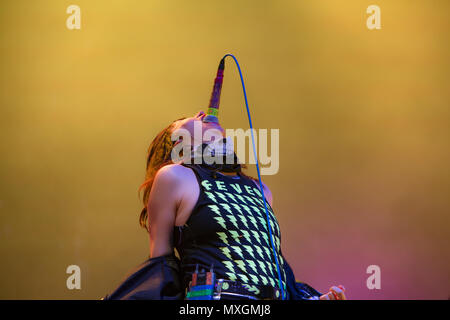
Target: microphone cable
{"points": [[280, 282]]}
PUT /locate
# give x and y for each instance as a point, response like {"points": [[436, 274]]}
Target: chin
{"points": [[213, 125]]}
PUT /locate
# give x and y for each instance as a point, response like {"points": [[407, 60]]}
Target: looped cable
{"points": [[283, 293]]}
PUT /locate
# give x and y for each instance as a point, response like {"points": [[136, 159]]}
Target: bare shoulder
{"points": [[172, 184], [173, 173]]}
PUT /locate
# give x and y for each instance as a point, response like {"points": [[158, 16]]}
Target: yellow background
{"points": [[363, 118]]}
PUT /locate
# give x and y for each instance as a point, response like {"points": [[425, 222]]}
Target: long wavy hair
{"points": [[158, 156]]}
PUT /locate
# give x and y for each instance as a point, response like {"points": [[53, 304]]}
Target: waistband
{"points": [[227, 289]]}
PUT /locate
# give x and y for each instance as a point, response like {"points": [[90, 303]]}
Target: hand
{"points": [[335, 293]]}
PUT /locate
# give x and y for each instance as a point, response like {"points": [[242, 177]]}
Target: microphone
{"points": [[213, 109]]}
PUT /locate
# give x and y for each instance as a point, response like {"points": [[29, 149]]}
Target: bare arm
{"points": [[164, 200]]}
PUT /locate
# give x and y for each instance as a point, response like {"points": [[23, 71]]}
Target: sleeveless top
{"points": [[228, 230]]}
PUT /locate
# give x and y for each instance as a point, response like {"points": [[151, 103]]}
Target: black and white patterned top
{"points": [[228, 229]]}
